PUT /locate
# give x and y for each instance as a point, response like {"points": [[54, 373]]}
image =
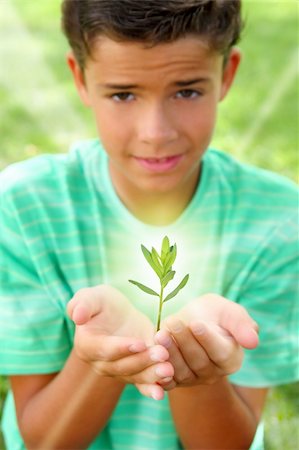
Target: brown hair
{"points": [[218, 22]]}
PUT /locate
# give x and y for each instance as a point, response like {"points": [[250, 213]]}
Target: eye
{"points": [[123, 97], [188, 94]]}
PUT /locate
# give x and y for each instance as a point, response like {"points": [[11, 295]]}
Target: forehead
{"points": [[114, 58]]}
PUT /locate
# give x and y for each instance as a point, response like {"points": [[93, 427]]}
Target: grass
{"points": [[3, 390], [282, 418], [40, 112]]}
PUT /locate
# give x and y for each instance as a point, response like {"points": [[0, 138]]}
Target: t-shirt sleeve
{"points": [[271, 296], [33, 328]]}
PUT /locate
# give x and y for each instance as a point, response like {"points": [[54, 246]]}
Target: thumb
{"points": [[240, 325], [246, 334], [85, 304]]}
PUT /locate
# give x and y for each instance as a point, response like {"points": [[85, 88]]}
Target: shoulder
{"points": [[257, 209], [48, 173], [248, 183], [240, 173], [18, 175]]}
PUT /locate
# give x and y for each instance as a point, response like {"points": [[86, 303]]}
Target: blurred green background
{"points": [[258, 122]]}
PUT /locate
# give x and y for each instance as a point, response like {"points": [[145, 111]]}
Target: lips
{"points": [[159, 164]]}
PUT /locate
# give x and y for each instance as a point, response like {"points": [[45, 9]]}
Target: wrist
{"points": [[199, 410]]}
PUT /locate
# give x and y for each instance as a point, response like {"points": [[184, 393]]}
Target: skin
{"points": [[149, 103], [156, 117], [113, 347]]}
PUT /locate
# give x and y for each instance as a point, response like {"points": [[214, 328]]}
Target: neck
{"points": [[159, 211], [158, 208]]}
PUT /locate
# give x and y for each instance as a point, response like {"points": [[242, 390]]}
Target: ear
{"points": [[78, 76], [229, 71]]}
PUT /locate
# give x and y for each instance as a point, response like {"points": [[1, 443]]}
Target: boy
{"points": [[153, 73]]}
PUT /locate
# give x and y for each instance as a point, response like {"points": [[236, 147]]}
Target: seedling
{"points": [[162, 265]]}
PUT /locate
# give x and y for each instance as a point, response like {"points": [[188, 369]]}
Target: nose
{"points": [[156, 126]]}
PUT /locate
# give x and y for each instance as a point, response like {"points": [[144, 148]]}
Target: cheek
{"points": [[200, 130], [199, 117], [200, 126], [115, 136], [206, 123], [113, 129]]}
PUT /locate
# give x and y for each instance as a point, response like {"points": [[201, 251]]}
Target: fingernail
{"points": [[160, 372], [155, 357], [156, 396], [177, 327], [166, 341], [136, 348], [166, 380], [198, 329]]}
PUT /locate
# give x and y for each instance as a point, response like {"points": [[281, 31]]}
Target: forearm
{"points": [[70, 411], [212, 416]]}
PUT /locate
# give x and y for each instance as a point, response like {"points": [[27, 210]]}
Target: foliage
{"points": [[162, 265], [40, 112]]}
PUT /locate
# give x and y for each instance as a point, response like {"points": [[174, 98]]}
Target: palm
{"points": [[112, 314], [224, 316]]}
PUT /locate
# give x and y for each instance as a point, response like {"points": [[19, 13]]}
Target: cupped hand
{"points": [[205, 340], [117, 340]]}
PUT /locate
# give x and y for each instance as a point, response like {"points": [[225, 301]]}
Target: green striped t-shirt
{"points": [[63, 227]]}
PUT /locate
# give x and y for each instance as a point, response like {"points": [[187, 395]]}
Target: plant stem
{"points": [[160, 309]]}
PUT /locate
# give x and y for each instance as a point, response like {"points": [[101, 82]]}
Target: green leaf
{"points": [[170, 258], [157, 262], [166, 262], [148, 256], [168, 277], [144, 288], [164, 248], [156, 255], [177, 289]]}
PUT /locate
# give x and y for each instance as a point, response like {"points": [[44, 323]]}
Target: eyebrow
{"points": [[181, 83], [120, 86], [184, 83]]}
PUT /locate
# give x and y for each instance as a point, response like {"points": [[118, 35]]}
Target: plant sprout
{"points": [[162, 265]]}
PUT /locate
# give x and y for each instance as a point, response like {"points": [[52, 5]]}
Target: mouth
{"points": [[159, 164]]}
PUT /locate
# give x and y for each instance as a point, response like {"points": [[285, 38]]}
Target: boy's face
{"points": [[155, 109]]}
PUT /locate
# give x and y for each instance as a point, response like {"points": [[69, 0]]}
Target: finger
{"points": [[159, 374], [247, 334], [220, 347], [85, 304], [164, 338], [131, 365], [182, 372], [194, 354], [242, 327], [80, 314], [167, 384], [151, 390], [107, 348]]}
